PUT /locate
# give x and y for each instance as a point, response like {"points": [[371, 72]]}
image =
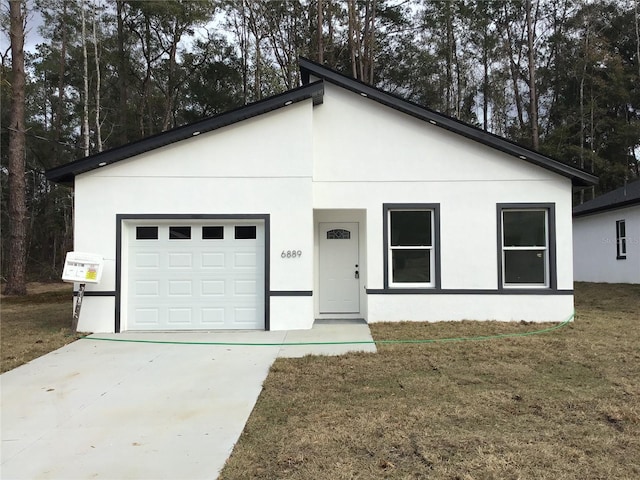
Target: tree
{"points": [[594, 123], [16, 277], [533, 98]]}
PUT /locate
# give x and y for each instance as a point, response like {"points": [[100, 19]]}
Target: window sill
{"points": [[524, 286], [456, 291]]}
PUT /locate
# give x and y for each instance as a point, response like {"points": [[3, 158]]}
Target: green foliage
{"points": [[166, 63]]}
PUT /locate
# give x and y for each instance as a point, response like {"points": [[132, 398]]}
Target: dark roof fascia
{"points": [[66, 173], [578, 177], [607, 208], [625, 196]]}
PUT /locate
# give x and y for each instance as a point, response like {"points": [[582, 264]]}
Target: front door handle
{"points": [[357, 274]]}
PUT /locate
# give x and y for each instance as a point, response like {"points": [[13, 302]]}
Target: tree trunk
{"points": [[637, 15], [372, 42], [533, 107], [57, 126], [352, 45], [485, 71], [582, 125], [513, 68], [449, 59], [592, 135], [173, 52], [97, 62], [320, 22], [17, 258], [122, 77], [357, 26], [85, 71], [244, 48], [330, 22], [256, 79]]}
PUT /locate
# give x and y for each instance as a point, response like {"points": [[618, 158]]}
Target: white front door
{"points": [[339, 268]]}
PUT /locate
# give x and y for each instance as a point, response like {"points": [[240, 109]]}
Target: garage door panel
{"points": [[147, 316], [179, 316], [196, 283], [147, 288], [180, 288], [147, 260], [181, 260], [213, 260], [245, 260], [245, 315], [212, 287], [245, 287], [213, 317]]}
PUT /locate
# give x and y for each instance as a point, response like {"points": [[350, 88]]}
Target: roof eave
{"points": [[605, 208], [65, 174], [578, 177]]}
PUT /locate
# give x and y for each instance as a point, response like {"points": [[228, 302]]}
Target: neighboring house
{"points": [[606, 237], [331, 200]]}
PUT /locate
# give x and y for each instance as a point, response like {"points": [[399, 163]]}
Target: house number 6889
{"points": [[291, 253]]}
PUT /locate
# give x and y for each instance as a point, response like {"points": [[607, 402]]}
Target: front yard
{"points": [[560, 405]]}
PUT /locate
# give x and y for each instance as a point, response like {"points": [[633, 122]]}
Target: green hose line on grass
{"points": [[355, 342]]}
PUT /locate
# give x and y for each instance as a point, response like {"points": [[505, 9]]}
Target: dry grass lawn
{"points": [[36, 324], [560, 405]]}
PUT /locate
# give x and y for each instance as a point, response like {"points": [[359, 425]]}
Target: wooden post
{"points": [[76, 311]]}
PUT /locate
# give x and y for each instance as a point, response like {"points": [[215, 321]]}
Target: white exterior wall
{"points": [[259, 166], [339, 161], [433, 308], [378, 155], [594, 244]]}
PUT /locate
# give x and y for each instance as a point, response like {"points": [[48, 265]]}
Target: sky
{"points": [[32, 37]]}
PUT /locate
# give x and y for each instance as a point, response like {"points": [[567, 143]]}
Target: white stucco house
{"points": [[331, 200], [606, 237]]}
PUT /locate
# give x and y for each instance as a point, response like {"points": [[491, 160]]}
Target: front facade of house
{"points": [[334, 200], [607, 237]]}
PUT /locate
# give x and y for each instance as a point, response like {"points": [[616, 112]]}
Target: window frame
{"points": [[621, 240], [240, 232], [550, 273], [434, 209], [140, 236], [179, 232], [210, 228]]}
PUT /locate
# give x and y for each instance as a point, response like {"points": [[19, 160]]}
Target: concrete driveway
{"points": [[128, 410]]}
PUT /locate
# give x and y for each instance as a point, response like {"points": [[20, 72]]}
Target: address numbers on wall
{"points": [[291, 253]]}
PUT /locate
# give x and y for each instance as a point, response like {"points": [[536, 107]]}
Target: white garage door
{"points": [[202, 275]]}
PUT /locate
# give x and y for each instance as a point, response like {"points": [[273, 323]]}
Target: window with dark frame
{"points": [[410, 246], [525, 247], [179, 233], [146, 233], [245, 232], [338, 234], [621, 240], [213, 233]]}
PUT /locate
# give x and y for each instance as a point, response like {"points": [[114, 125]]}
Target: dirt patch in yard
{"points": [[561, 405]]}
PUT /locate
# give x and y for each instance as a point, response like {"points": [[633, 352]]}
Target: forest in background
{"points": [[558, 76]]}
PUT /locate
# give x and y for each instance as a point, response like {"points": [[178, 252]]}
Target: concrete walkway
{"points": [[120, 410]]}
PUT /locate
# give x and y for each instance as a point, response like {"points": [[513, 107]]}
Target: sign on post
{"points": [[81, 268]]}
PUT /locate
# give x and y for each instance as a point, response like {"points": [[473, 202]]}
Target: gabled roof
{"points": [[621, 197], [578, 177], [66, 173]]}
